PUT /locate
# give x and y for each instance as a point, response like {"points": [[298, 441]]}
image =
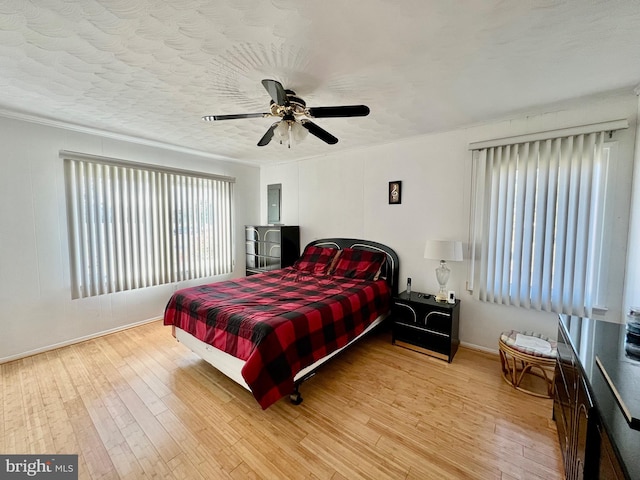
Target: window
{"points": [[538, 223], [134, 225]]}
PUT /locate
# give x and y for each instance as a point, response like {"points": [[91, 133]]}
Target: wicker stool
{"points": [[519, 362]]}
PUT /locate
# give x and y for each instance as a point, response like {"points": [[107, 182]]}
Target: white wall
{"points": [[632, 282], [36, 310], [346, 195]]}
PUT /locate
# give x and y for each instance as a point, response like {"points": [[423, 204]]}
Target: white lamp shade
{"points": [[443, 250], [289, 131], [281, 132], [298, 132]]}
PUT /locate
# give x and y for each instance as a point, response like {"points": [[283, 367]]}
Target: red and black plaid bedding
{"points": [[279, 322]]}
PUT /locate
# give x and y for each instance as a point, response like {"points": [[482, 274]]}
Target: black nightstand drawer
{"points": [[404, 312], [426, 341], [422, 324], [439, 322]]}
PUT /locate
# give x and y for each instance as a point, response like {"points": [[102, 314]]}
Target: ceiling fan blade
{"points": [[211, 118], [344, 111], [266, 138], [319, 132], [277, 92]]}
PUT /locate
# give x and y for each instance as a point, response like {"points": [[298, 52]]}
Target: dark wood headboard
{"points": [[392, 265]]}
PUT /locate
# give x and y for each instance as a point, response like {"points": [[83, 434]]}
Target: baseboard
{"points": [[55, 346], [479, 348]]}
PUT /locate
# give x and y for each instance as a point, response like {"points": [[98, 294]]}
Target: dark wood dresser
{"points": [[597, 400], [269, 247]]}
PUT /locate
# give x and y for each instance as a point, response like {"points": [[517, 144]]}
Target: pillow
{"points": [[360, 264], [316, 260], [528, 341]]}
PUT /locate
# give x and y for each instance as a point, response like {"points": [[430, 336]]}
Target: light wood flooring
{"points": [[137, 404]]}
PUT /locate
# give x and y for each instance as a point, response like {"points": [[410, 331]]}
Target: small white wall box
{"points": [[451, 297]]}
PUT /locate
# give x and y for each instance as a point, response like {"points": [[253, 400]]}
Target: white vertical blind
{"points": [[131, 226], [537, 223]]}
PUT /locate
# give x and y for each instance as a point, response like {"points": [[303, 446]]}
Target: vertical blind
{"points": [[133, 226], [538, 222]]}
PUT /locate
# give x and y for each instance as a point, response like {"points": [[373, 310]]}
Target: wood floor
{"points": [[137, 404]]}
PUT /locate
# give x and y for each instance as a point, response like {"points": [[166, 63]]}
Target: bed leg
{"points": [[295, 396]]}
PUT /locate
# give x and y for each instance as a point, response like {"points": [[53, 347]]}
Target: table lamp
{"points": [[443, 250]]}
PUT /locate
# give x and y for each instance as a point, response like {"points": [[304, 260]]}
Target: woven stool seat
{"points": [[525, 356]]}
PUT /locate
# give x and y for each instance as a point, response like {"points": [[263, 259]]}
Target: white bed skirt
{"points": [[232, 366]]}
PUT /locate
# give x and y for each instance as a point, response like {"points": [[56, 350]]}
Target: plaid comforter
{"points": [[278, 322]]}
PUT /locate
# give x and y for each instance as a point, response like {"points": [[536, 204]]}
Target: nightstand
{"points": [[424, 325]]}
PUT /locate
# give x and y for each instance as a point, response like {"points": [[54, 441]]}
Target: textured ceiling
{"points": [[151, 68]]}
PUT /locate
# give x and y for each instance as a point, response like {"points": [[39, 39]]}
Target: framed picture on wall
{"points": [[395, 192]]}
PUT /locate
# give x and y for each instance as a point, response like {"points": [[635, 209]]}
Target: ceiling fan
{"points": [[292, 110]]}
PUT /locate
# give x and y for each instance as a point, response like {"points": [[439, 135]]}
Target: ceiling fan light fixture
{"points": [[298, 132], [281, 133], [289, 132]]}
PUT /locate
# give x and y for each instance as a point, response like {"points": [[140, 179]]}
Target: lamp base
{"points": [[442, 274], [441, 297]]}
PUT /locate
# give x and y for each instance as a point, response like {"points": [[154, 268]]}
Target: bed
{"points": [[271, 331]]}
